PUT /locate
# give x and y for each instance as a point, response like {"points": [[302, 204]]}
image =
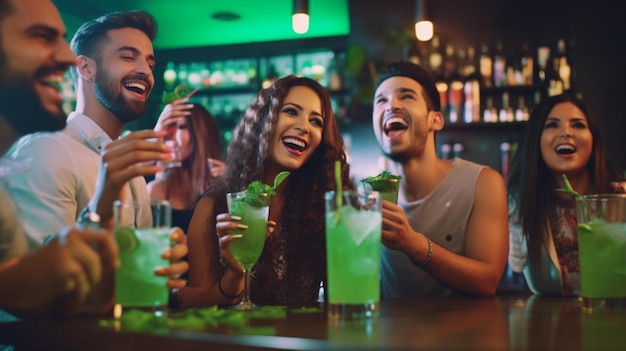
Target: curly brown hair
{"points": [[302, 221]]}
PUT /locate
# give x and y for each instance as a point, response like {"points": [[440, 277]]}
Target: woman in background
{"points": [[561, 137], [195, 131]]}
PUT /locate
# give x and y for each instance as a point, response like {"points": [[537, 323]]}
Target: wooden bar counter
{"points": [[453, 323]]}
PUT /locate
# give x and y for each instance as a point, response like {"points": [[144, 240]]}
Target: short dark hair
{"points": [[89, 37], [418, 74]]}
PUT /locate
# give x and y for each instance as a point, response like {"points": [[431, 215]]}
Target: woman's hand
{"points": [[226, 223], [216, 167], [176, 254]]}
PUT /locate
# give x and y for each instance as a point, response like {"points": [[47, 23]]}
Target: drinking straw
{"points": [[339, 195]]}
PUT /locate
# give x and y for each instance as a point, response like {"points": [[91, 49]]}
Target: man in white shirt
{"points": [[113, 80]]}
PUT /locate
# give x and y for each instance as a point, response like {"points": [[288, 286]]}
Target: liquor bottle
{"points": [[457, 149], [499, 66], [490, 114], [435, 58], [543, 75], [471, 65], [450, 64], [471, 112], [442, 88], [455, 98], [445, 151], [562, 65], [505, 148], [527, 65], [521, 112], [486, 66], [506, 112]]}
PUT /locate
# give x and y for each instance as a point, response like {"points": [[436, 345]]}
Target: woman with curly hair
{"points": [[562, 137], [290, 126]]}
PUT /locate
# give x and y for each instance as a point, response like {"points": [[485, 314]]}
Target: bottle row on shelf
{"points": [[452, 149], [254, 73], [497, 66]]}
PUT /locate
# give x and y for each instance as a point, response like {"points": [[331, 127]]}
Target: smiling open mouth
{"points": [[294, 143], [395, 124], [565, 149]]}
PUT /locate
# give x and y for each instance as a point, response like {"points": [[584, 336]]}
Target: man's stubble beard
{"points": [[21, 105], [105, 92]]}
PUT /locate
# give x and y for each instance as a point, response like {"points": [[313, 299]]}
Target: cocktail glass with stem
{"points": [[253, 209]]}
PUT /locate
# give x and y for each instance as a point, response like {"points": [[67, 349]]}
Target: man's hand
{"points": [[122, 160], [58, 279]]}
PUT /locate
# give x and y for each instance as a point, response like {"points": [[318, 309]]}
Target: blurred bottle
{"points": [[506, 113], [457, 149], [435, 58], [471, 111], [486, 66], [521, 112], [455, 94], [527, 65], [490, 114], [445, 151], [499, 65], [442, 88], [505, 148], [450, 64], [169, 75], [543, 75]]}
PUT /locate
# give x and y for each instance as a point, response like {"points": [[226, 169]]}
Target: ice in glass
{"points": [[353, 239], [602, 248]]}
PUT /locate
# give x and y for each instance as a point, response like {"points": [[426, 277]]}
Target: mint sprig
{"points": [[180, 92], [384, 182], [568, 187], [259, 194]]}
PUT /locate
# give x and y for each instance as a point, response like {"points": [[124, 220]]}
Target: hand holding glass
{"points": [[248, 248]]}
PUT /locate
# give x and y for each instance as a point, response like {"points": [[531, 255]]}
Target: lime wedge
{"points": [[126, 239]]}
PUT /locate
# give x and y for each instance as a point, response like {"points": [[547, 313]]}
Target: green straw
{"points": [[339, 194]]}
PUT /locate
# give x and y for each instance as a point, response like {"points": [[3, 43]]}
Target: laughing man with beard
{"points": [[448, 235], [113, 79]]}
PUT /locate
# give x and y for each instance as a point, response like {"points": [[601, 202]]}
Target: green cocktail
{"points": [[136, 285], [386, 183], [601, 249], [142, 234], [253, 208], [353, 243], [248, 249], [602, 252]]}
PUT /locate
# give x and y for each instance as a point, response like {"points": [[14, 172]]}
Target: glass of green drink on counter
{"points": [[386, 183], [353, 239], [602, 251], [141, 246]]}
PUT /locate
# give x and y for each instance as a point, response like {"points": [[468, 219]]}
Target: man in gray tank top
{"points": [[449, 232]]}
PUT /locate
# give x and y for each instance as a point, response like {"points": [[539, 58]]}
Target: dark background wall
{"points": [[595, 31]]}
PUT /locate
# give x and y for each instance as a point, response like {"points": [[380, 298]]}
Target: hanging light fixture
{"points": [[300, 17], [424, 28]]}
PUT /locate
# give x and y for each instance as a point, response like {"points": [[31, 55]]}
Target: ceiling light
{"points": [[300, 17], [424, 28]]}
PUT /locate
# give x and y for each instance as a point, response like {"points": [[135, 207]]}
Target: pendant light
{"points": [[424, 28], [300, 17]]}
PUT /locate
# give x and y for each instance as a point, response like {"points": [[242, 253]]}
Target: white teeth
{"points": [[136, 85], [565, 147], [295, 142], [395, 120]]}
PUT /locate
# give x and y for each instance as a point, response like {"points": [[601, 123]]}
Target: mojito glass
{"points": [[253, 210], [353, 244], [140, 247], [386, 183], [602, 248]]}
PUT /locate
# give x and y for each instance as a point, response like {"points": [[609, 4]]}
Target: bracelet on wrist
{"points": [[428, 256], [219, 286]]}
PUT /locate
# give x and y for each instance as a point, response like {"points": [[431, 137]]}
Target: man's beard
{"points": [[21, 105], [106, 93]]}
